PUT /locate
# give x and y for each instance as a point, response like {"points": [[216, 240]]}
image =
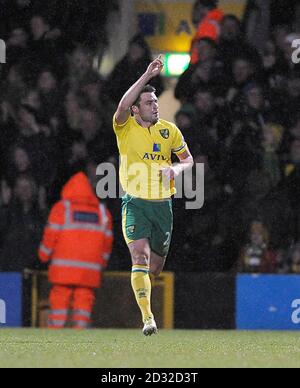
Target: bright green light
{"points": [[176, 64]]}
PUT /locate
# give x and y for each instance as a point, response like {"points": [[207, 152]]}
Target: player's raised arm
{"points": [[129, 98]]}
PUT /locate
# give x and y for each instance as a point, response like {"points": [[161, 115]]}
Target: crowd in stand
{"points": [[239, 114]]}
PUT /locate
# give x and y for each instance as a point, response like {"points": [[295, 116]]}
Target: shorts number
{"points": [[167, 243]]}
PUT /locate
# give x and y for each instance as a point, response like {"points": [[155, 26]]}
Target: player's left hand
{"points": [[169, 172]]}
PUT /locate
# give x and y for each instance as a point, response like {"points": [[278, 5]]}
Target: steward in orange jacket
{"points": [[78, 241], [209, 19]]}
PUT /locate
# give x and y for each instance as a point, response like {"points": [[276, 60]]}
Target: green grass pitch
{"points": [[129, 349]]}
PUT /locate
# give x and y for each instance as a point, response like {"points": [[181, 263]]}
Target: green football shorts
{"points": [[152, 220]]}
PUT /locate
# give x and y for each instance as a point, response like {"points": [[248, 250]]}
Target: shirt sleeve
{"points": [[117, 127], [179, 145]]}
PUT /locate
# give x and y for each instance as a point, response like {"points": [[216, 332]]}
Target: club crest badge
{"points": [[165, 133], [131, 229]]}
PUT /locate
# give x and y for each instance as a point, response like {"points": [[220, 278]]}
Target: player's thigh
{"points": [[162, 230], [135, 224]]}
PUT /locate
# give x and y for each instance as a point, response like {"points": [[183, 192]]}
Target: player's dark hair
{"points": [[146, 89]]}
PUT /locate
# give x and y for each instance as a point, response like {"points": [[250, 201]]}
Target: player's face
{"points": [[148, 108]]}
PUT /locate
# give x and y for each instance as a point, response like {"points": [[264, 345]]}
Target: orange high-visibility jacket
{"points": [[78, 237], [208, 28]]}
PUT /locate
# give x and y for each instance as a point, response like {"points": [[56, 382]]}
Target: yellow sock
{"points": [[141, 285]]}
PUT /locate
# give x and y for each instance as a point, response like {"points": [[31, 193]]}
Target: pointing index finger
{"points": [[160, 59]]}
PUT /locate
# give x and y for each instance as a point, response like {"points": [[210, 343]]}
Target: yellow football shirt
{"points": [[144, 152]]}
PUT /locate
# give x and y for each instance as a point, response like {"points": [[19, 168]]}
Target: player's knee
{"points": [[140, 257]]}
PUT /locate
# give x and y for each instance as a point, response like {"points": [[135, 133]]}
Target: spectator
{"points": [[86, 30], [295, 129], [94, 88], [206, 73], [206, 18], [14, 12], [80, 68], [233, 45], [243, 71], [245, 143], [294, 259], [50, 95], [202, 242], [256, 256], [93, 130], [95, 92], [293, 95], [130, 68], [271, 207], [272, 133], [292, 170], [185, 121], [45, 47], [72, 110], [21, 224], [211, 125], [291, 186], [257, 21], [35, 136], [32, 100], [14, 85], [77, 243], [17, 46], [19, 164]]}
